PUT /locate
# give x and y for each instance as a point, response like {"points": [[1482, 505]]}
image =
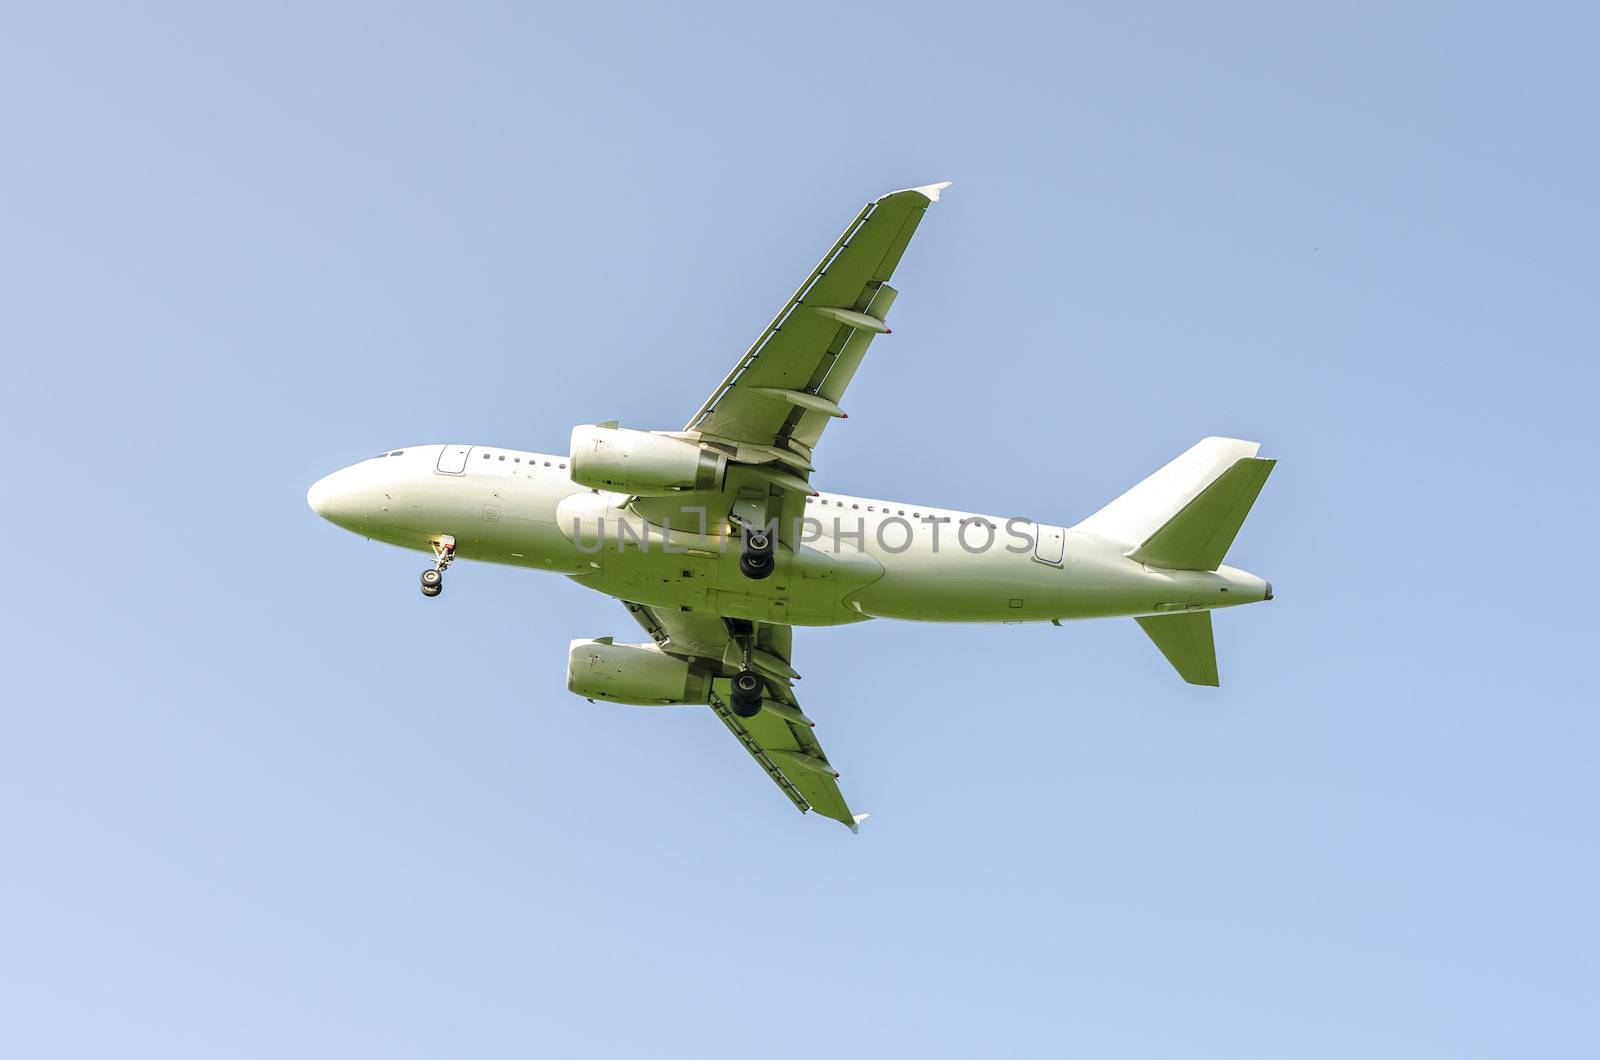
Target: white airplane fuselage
{"points": [[855, 558]]}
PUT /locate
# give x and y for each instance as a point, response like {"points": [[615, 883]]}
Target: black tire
{"points": [[757, 541], [431, 591], [432, 577], [748, 687], [755, 565]]}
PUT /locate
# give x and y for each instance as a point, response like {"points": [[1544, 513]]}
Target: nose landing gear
{"points": [[444, 550]]}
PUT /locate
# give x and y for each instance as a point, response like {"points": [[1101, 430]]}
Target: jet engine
{"points": [[615, 458], [640, 674]]}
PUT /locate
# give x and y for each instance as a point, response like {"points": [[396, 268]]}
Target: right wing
{"points": [[780, 737]]}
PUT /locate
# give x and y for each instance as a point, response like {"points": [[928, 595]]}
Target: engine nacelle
{"points": [[640, 674], [615, 458]]}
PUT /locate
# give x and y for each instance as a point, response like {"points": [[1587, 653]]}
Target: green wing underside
{"points": [[780, 738], [770, 411], [787, 386]]}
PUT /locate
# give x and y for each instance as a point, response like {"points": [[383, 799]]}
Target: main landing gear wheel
{"points": [[444, 550], [756, 560], [748, 687]]}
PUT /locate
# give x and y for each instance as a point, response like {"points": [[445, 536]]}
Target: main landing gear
{"points": [[756, 555], [749, 687], [444, 550]]}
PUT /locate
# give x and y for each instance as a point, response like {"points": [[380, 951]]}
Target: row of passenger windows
{"points": [[515, 459], [518, 460], [892, 511], [870, 508]]}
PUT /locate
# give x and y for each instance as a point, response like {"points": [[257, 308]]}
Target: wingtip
{"points": [[855, 822], [927, 191]]}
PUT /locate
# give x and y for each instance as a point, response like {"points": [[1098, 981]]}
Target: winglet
{"points": [[927, 191], [855, 822]]}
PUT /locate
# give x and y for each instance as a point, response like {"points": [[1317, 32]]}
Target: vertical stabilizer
{"points": [[1136, 515]]}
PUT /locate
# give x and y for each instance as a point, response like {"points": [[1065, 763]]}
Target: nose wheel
{"points": [[444, 550]]}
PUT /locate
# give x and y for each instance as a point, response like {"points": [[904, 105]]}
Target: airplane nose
{"points": [[341, 498], [321, 496], [348, 497]]}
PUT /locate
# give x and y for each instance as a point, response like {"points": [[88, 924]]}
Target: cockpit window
{"points": [[380, 456], [397, 452]]}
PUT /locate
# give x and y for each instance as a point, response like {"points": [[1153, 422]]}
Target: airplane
{"points": [[718, 545]]}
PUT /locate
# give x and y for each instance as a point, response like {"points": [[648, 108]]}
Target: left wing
{"points": [[787, 386], [769, 412], [780, 737]]}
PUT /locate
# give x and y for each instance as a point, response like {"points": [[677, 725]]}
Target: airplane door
{"points": [[1049, 544], [453, 459]]}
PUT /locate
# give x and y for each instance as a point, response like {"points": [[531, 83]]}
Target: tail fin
{"points": [[1186, 515]]}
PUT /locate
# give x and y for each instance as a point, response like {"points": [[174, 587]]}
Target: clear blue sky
{"points": [[262, 799]]}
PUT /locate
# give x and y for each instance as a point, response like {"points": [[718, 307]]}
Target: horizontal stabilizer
{"points": [[1186, 642], [1198, 536]]}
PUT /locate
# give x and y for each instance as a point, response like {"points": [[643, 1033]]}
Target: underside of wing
{"points": [[787, 386], [779, 737]]}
